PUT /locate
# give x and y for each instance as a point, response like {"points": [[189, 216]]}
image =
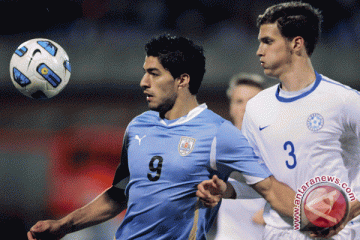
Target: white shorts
{"points": [[355, 226], [272, 233]]}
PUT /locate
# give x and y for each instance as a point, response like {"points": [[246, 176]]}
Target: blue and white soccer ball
{"points": [[40, 68]]}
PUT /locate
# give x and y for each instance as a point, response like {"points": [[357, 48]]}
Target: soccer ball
{"points": [[40, 68]]}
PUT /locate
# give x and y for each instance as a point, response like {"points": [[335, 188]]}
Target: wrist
{"points": [[67, 225], [354, 209], [229, 191]]}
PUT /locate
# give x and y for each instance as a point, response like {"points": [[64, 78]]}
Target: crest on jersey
{"points": [[186, 145], [315, 122]]}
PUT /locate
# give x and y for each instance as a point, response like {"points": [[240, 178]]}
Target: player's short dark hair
{"points": [[295, 19], [179, 55]]}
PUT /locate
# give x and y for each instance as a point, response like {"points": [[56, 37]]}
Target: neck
{"points": [[182, 106], [299, 77]]}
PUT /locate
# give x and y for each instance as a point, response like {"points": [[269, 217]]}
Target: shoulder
{"points": [[344, 97], [336, 86], [264, 96], [266, 92], [216, 124], [262, 101], [209, 117], [228, 134], [145, 116], [145, 119], [338, 91]]}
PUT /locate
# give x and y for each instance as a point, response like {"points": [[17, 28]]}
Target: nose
{"points": [[145, 83], [259, 51]]}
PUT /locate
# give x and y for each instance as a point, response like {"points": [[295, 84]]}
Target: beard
{"points": [[164, 107]]}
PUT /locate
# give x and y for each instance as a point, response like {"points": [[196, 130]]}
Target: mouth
{"points": [[149, 97]]}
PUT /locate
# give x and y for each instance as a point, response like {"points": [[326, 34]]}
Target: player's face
{"points": [[159, 86], [274, 50], [239, 97]]}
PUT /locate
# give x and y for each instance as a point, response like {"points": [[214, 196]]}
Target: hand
{"points": [[328, 233], [258, 217], [46, 230], [211, 191]]}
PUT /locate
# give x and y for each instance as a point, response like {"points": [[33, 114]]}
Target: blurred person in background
{"points": [[242, 87]]}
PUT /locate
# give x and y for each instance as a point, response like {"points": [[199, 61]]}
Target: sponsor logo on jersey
{"points": [[315, 122], [139, 138], [262, 128], [186, 145]]}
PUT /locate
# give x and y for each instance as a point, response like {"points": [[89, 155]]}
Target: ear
{"points": [[184, 80], [298, 45]]}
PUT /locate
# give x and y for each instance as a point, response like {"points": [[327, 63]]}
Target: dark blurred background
{"points": [[58, 154]]}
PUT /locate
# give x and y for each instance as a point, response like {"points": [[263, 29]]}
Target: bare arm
{"points": [[354, 209], [106, 206], [280, 196]]}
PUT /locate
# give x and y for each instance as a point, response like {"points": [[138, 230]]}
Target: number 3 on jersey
{"points": [[156, 169], [289, 146]]}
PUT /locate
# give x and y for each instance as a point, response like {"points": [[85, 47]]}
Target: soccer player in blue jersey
{"points": [[166, 153], [306, 126]]}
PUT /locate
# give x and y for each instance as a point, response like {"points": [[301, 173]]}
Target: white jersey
{"points": [[306, 135]]}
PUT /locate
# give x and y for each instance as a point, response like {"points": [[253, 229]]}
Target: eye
{"points": [[266, 41], [269, 41], [151, 73]]}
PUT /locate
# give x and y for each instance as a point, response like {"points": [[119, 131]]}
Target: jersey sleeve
{"points": [[247, 129], [351, 118], [122, 174], [233, 153], [243, 190], [352, 112]]}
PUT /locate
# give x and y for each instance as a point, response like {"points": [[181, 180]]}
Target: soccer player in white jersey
{"points": [[306, 126], [167, 152]]}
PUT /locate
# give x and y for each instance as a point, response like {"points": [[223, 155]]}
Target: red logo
{"points": [[324, 205]]}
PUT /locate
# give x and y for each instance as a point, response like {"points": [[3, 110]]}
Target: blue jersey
{"points": [[164, 161]]}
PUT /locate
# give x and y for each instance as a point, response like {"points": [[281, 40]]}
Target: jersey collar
{"points": [[292, 99], [192, 114]]}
